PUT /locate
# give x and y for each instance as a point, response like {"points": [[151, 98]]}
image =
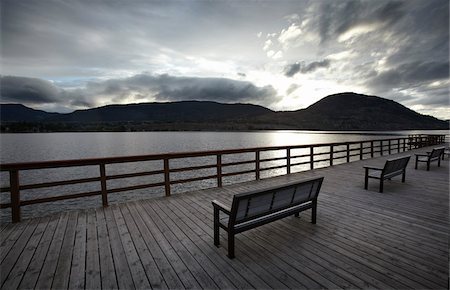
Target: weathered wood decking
{"points": [[362, 239]]}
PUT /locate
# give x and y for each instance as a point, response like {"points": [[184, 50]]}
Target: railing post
{"points": [[361, 150], [404, 144], [103, 184], [331, 154], [257, 164], [288, 160], [348, 152], [389, 146], [219, 170], [398, 145], [381, 148], [311, 157], [15, 195], [166, 176], [371, 149]]}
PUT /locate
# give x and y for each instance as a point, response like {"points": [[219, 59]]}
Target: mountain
{"points": [[344, 111], [351, 111], [187, 111], [19, 113]]}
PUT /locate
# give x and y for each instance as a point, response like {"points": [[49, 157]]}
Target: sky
{"points": [[66, 55]]}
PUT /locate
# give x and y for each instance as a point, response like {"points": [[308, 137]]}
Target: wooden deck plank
{"points": [[134, 263], [15, 276], [392, 251], [123, 273], [362, 239], [175, 261], [239, 273], [47, 274], [3, 226], [195, 268], [62, 273], [170, 276], [107, 270], [10, 260], [7, 229], [31, 275], [398, 244], [176, 226], [93, 278], [78, 267], [9, 240], [369, 260], [155, 277]]}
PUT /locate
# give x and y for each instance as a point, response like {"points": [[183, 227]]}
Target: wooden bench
{"points": [[253, 209], [392, 167], [434, 155]]}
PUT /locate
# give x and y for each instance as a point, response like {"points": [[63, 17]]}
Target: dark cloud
{"points": [[142, 87], [411, 74], [28, 90], [292, 69], [35, 92], [337, 17], [423, 34], [171, 88]]}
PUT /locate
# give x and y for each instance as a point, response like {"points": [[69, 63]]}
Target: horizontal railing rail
{"points": [[316, 154]]}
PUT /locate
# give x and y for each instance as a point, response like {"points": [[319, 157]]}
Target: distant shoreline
{"points": [[30, 130]]}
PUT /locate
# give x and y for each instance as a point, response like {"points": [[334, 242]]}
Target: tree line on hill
{"points": [[345, 111]]}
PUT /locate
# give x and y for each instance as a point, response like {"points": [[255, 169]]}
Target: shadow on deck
{"points": [[396, 239]]}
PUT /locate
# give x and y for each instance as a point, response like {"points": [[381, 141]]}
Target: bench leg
{"points": [[439, 162], [230, 245], [366, 179], [381, 184], [417, 161], [428, 165], [216, 228], [314, 212], [403, 176]]}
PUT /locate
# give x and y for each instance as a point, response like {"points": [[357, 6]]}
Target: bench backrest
{"points": [[436, 153], [395, 166], [251, 205]]}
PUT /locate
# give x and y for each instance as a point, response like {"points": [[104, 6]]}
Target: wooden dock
{"points": [[363, 239]]}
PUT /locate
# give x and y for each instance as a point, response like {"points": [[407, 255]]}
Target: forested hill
{"points": [[350, 111], [345, 111]]}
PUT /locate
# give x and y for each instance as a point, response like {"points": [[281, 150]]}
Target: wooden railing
{"points": [[316, 154]]}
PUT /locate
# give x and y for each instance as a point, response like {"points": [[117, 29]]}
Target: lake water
{"points": [[63, 146]]}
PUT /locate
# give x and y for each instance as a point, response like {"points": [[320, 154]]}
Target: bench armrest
{"points": [[422, 154], [217, 204]]}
